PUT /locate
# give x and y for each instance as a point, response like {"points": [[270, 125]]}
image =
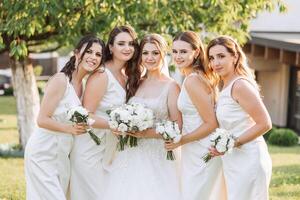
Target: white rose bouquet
{"points": [[169, 130], [222, 140], [130, 117], [142, 118], [80, 115]]}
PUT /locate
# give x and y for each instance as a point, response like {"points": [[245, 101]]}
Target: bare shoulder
{"points": [[98, 76], [173, 85], [194, 83], [242, 88], [57, 81]]}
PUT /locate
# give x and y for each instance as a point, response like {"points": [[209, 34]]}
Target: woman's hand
{"points": [[214, 152], [77, 129], [170, 145], [138, 134]]}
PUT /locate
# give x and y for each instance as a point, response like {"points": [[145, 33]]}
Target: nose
{"points": [[215, 62]]}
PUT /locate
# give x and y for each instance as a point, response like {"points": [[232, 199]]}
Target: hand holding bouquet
{"points": [[130, 117], [169, 130], [222, 141], [80, 115]]}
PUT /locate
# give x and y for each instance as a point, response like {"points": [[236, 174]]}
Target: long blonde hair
{"points": [[241, 66]]}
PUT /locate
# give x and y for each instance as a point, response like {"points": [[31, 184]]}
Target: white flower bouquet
{"points": [[80, 115], [169, 130], [130, 117], [222, 140]]}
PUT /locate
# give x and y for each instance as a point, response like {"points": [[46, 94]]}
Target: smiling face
{"points": [[122, 47], [221, 61], [183, 54], [151, 57], [92, 57]]}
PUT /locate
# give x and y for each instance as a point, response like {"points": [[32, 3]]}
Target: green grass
{"points": [[285, 182]]}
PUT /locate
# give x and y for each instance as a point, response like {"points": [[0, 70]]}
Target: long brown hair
{"points": [[199, 63], [161, 44], [70, 67], [241, 66], [132, 70]]}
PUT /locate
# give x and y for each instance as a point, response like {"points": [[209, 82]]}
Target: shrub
{"points": [[283, 137], [267, 134]]}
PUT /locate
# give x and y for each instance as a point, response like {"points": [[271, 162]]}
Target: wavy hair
{"points": [[241, 66], [132, 70], [89, 40]]}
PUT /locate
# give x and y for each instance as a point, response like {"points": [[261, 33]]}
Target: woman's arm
{"points": [[248, 98], [96, 87], [54, 92], [200, 97]]}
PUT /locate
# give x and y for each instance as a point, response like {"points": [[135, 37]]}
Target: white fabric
{"points": [[198, 179], [142, 172], [87, 170], [47, 164], [247, 169]]}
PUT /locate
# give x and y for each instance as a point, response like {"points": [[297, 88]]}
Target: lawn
{"points": [[285, 182]]}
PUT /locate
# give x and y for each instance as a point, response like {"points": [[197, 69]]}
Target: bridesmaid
{"points": [[240, 110], [142, 172], [196, 102], [105, 89], [47, 164]]}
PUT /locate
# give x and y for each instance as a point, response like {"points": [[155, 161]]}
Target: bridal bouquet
{"points": [[222, 140], [80, 115], [169, 130], [130, 117]]}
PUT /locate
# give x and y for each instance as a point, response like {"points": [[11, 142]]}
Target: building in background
{"points": [[274, 54]]}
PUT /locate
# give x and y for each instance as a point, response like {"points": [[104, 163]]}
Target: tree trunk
{"points": [[27, 97]]}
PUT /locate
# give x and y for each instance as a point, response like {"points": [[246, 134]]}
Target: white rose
{"points": [[113, 124], [177, 138], [221, 148], [122, 127], [81, 110], [160, 129], [169, 129], [125, 116], [143, 126], [213, 137]]}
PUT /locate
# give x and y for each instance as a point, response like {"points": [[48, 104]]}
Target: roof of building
{"points": [[282, 40]]}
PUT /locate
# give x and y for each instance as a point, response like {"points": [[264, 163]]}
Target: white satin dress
{"points": [[143, 172], [47, 163], [199, 180], [247, 169], [88, 160]]}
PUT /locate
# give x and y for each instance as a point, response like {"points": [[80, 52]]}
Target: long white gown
{"points": [[142, 172], [47, 163], [87, 158], [247, 169], [199, 180]]}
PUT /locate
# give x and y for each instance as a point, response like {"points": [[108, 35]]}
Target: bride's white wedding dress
{"points": [[142, 172]]}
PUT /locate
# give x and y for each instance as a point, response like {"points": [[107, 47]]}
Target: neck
{"points": [[77, 76], [187, 70], [227, 78], [154, 74], [116, 65]]}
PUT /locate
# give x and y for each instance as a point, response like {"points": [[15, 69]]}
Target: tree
{"points": [[47, 25]]}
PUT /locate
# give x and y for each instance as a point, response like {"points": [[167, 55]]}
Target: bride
{"points": [[143, 172]]}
